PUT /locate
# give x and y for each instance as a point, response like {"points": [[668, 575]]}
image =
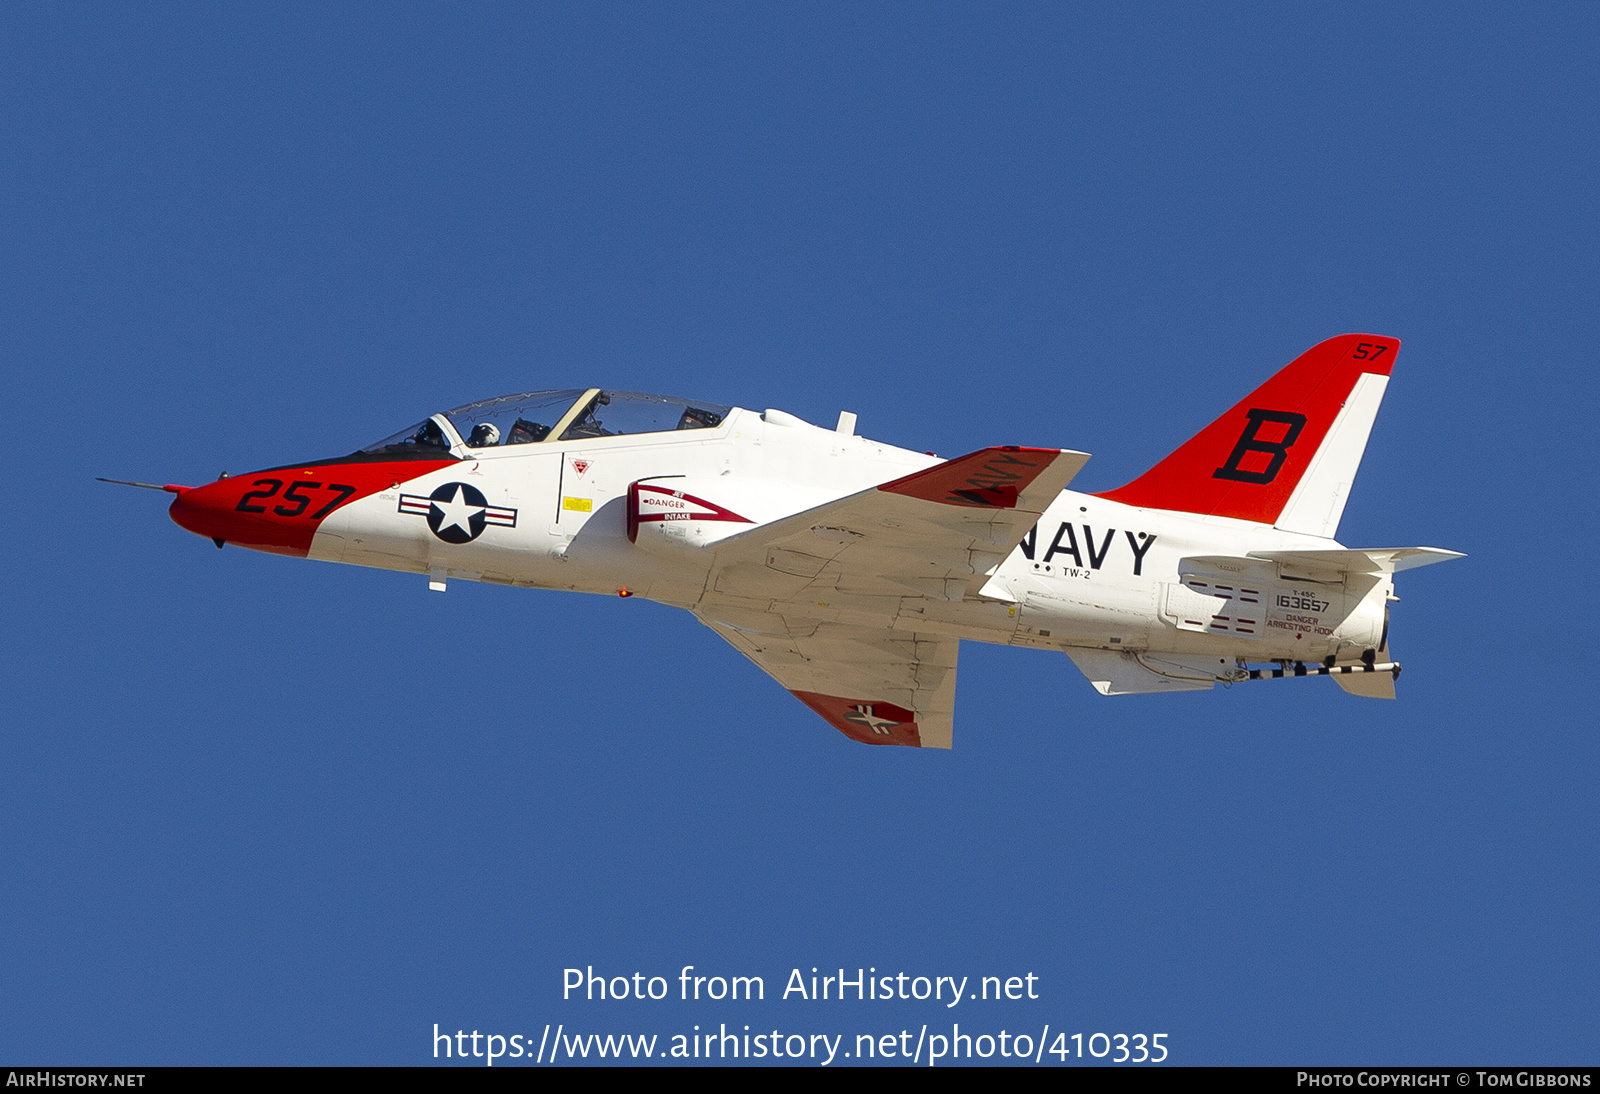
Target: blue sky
{"points": [[262, 810]]}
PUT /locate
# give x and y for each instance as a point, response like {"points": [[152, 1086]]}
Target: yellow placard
{"points": [[578, 505]]}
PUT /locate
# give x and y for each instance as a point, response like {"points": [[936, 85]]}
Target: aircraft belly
{"points": [[1084, 613], [326, 546]]}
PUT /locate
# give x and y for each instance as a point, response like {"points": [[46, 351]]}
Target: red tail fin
{"points": [[1247, 463]]}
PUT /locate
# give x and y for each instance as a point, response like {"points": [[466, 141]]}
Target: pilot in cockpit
{"points": [[484, 435], [429, 436], [526, 432]]}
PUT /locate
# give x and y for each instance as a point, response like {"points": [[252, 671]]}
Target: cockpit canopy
{"points": [[535, 417]]}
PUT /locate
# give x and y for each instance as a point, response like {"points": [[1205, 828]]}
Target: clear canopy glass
{"points": [[622, 413], [532, 416], [423, 441], [512, 419]]}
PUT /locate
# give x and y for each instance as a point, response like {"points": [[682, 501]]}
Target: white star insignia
{"points": [[867, 716], [457, 512]]}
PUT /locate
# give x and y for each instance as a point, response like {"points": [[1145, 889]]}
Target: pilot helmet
{"points": [[484, 434]]}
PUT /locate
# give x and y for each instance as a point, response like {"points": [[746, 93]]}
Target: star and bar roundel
{"points": [[457, 512], [871, 723]]}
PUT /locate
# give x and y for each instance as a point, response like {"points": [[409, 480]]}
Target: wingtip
{"points": [[995, 477]]}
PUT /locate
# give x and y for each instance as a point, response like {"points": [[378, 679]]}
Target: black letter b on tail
{"points": [[1251, 441]]}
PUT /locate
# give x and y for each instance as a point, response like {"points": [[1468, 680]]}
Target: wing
{"points": [[876, 686], [815, 599], [935, 533]]}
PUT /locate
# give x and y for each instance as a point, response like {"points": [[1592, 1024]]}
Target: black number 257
{"points": [[294, 494]]}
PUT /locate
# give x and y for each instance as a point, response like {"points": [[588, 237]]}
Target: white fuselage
{"points": [[1093, 573]]}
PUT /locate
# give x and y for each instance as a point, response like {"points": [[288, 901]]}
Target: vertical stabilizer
{"points": [[1287, 453], [1318, 500]]}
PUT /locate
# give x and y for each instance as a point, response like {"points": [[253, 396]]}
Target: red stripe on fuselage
{"points": [[279, 510]]}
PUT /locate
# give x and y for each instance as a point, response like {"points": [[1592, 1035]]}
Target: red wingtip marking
{"points": [[1272, 433], [173, 488], [865, 720], [991, 478]]}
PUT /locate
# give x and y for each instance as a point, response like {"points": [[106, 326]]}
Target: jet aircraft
{"points": [[850, 570]]}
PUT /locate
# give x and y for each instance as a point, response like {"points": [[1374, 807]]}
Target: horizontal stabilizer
{"points": [[1369, 679], [1374, 560], [1368, 685]]}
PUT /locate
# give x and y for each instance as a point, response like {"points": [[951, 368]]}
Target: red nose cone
{"points": [[280, 510], [226, 510]]}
